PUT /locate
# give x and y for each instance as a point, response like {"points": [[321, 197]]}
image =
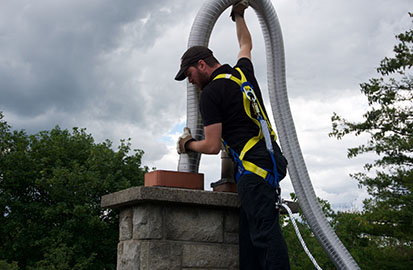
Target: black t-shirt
{"points": [[221, 102]]}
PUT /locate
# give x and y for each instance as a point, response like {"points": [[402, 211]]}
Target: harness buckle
{"points": [[247, 88]]}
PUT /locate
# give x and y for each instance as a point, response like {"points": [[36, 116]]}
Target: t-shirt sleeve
{"points": [[245, 64], [210, 106]]}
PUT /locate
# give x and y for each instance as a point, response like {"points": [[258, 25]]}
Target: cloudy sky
{"points": [[109, 66]]}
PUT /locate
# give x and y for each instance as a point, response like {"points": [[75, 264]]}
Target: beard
{"points": [[203, 79]]}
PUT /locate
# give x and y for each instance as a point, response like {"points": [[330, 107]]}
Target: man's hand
{"points": [[183, 140], [238, 9]]}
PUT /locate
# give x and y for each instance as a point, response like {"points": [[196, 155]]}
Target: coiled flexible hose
{"points": [[200, 34]]}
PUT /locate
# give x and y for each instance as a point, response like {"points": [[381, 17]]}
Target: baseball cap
{"points": [[190, 57]]}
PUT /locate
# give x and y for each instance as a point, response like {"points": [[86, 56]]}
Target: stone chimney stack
{"points": [[172, 228]]}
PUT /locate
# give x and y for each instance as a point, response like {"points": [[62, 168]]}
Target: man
{"points": [[261, 243]]}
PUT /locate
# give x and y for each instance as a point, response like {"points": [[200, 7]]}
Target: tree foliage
{"points": [[386, 222], [51, 184]]}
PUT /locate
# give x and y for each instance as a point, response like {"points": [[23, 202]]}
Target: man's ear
{"points": [[201, 64]]}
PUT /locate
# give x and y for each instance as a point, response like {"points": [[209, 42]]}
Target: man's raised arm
{"points": [[243, 34]]}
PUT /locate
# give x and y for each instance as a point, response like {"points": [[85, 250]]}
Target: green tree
{"points": [[8, 266], [50, 189], [386, 222]]}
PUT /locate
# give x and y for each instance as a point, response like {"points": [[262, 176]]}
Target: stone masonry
{"points": [[173, 228]]}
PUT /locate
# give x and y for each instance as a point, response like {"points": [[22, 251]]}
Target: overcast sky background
{"points": [[109, 66]]}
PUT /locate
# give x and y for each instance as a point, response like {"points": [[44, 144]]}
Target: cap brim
{"points": [[180, 76]]}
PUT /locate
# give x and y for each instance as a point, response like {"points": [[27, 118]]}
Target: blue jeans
{"points": [[261, 243]]}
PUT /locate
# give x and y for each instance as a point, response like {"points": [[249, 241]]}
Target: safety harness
{"points": [[259, 117]]}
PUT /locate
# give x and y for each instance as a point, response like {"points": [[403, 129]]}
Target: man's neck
{"points": [[212, 69]]}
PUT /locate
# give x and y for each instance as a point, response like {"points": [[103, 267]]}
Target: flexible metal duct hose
{"points": [[200, 34]]}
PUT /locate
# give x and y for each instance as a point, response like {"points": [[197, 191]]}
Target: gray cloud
{"points": [[335, 45], [52, 53]]}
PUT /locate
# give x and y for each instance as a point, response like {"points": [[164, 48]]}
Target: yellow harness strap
{"points": [[249, 166]]}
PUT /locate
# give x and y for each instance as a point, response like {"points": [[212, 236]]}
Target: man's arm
{"points": [[212, 142], [243, 34]]}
